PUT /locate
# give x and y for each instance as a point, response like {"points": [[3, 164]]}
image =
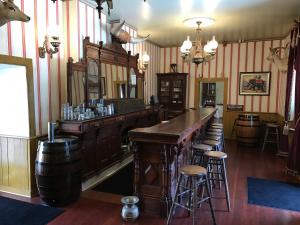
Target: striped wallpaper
{"points": [[23, 40], [230, 60], [153, 68]]}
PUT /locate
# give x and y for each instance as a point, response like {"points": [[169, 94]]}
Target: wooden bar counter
{"points": [[159, 151]]}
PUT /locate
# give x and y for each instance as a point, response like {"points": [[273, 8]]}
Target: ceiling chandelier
{"points": [[192, 51]]}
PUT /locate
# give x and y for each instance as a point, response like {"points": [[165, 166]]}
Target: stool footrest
{"points": [[183, 206], [203, 200], [217, 179], [184, 192]]}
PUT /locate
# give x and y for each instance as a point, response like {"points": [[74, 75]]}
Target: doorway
{"points": [[211, 93]]}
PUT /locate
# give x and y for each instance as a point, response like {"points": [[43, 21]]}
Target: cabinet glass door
{"points": [[164, 91], [177, 91]]}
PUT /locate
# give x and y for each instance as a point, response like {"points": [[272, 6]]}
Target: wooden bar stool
{"points": [[272, 129], [198, 153], [215, 144], [216, 171], [198, 178]]}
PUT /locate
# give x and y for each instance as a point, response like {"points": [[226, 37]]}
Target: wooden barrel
{"points": [[248, 129], [58, 170]]}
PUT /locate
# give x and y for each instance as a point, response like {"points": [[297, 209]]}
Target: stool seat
{"points": [[214, 125], [219, 128], [217, 124], [214, 130], [272, 125], [213, 137], [212, 142], [192, 170], [202, 147], [215, 154], [214, 133]]}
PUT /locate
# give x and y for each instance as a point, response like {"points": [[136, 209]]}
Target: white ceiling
{"points": [[235, 19]]}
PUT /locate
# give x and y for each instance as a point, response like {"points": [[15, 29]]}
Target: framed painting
{"points": [[255, 83]]}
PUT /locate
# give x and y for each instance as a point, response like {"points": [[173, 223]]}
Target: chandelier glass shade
{"points": [[192, 51], [143, 62]]}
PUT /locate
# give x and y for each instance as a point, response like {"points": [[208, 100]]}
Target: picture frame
{"points": [[255, 83], [103, 86]]}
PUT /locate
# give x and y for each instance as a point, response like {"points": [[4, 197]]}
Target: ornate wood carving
{"points": [[136, 169], [164, 169], [110, 53]]}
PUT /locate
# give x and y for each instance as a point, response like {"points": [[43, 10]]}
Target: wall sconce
{"points": [[144, 62], [51, 44]]}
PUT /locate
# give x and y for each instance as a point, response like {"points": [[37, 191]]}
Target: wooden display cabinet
{"points": [[171, 92]]}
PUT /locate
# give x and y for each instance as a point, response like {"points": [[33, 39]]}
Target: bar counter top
{"points": [[175, 130]]}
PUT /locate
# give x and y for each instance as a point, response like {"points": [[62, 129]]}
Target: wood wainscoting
{"points": [[230, 116], [17, 157]]}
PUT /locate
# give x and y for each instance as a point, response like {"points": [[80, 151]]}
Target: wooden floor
{"points": [[95, 208]]}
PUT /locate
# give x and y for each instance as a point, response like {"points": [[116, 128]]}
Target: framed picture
{"points": [[255, 83], [103, 86]]}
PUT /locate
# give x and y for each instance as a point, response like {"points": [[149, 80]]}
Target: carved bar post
{"points": [[165, 203], [136, 169]]}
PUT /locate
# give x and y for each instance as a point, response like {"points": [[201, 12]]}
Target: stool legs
{"points": [[220, 176], [193, 197], [277, 140], [209, 201], [210, 179], [265, 139], [226, 185], [233, 128], [223, 140], [273, 131], [195, 200], [173, 202]]}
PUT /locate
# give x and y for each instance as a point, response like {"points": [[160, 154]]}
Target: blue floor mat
{"points": [[14, 212], [273, 194]]}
